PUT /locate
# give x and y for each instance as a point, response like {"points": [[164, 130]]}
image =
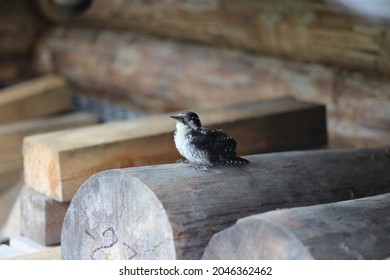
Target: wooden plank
{"points": [[312, 31], [41, 217], [34, 98], [11, 135], [353, 229], [57, 163], [53, 253], [171, 211]]}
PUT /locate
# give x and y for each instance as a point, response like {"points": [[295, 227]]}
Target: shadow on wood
{"points": [[172, 211]]}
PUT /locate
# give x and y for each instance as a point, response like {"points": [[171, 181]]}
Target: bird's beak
{"points": [[179, 118]]}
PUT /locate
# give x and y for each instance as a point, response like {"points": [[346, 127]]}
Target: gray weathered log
{"points": [[171, 211], [352, 229]]}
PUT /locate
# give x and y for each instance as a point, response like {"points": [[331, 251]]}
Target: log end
{"points": [[114, 217]]}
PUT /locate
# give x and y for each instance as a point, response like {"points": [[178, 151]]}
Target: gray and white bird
{"points": [[201, 146]]}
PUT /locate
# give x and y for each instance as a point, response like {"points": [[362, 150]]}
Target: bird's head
{"points": [[189, 119]]}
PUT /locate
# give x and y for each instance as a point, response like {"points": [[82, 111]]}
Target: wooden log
{"points": [[163, 75], [313, 31], [41, 217], [20, 24], [35, 98], [144, 69], [57, 163], [353, 229], [171, 211]]}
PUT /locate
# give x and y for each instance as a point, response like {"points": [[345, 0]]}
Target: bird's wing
{"points": [[204, 139], [224, 149], [224, 145]]}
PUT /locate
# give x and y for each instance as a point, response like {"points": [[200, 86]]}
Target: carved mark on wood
{"points": [[108, 235]]}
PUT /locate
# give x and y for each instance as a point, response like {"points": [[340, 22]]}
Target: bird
{"points": [[201, 146]]}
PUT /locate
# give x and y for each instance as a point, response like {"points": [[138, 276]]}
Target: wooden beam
{"points": [[34, 98], [53, 253], [353, 229], [171, 211], [12, 135], [57, 163], [41, 217], [312, 31]]}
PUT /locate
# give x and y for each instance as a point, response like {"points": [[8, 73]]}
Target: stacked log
{"points": [[304, 30], [57, 163], [171, 211], [164, 75]]}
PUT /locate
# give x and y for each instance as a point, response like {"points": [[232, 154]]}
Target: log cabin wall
{"points": [[20, 24], [170, 55]]}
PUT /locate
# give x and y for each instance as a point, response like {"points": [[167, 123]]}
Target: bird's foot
{"points": [[199, 167], [182, 161]]}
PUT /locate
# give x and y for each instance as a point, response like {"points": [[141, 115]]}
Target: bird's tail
{"points": [[235, 161]]}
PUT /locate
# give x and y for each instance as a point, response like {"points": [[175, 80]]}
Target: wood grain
{"points": [[159, 75], [353, 229], [34, 98], [57, 163], [305, 30], [184, 206], [41, 217], [12, 135]]}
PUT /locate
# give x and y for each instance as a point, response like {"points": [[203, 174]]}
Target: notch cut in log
{"points": [[353, 229], [34, 98], [57, 163], [171, 211], [41, 217]]}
